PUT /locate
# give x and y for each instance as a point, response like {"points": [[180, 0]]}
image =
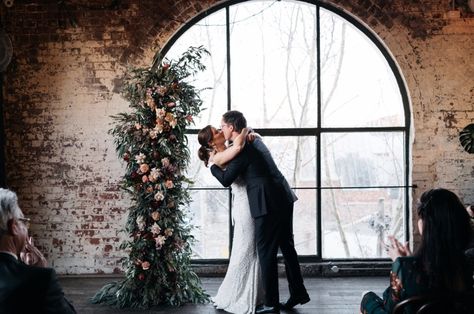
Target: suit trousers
{"points": [[273, 231]]}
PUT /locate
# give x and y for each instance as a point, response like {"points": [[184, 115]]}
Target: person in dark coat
{"points": [[25, 288], [439, 265]]}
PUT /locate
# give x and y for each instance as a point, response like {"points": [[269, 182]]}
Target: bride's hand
{"points": [[252, 136]]}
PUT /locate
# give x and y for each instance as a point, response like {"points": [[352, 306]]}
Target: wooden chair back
{"points": [[452, 303]]}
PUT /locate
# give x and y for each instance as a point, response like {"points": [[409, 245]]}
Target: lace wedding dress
{"points": [[241, 290]]}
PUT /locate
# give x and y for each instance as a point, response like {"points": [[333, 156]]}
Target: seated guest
{"points": [[470, 250], [470, 211], [439, 264], [24, 288]]}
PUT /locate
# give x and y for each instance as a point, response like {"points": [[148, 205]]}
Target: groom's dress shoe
{"points": [[293, 301], [267, 309]]}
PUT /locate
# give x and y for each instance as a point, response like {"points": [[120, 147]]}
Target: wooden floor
{"points": [[328, 295]]}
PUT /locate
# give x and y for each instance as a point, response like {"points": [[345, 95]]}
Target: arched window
{"points": [[331, 105]]}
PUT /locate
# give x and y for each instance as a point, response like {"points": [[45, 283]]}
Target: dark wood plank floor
{"points": [[339, 295]]}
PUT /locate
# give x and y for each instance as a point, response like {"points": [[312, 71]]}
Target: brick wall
{"points": [[64, 81]]}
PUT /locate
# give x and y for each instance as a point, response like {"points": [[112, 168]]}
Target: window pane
{"points": [[356, 222], [362, 159], [273, 63], [274, 83], [210, 32], [295, 156], [358, 87], [209, 212], [304, 222]]}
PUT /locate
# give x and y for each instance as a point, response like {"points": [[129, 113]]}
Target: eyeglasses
{"points": [[224, 126], [25, 221]]}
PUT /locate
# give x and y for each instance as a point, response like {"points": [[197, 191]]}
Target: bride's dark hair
{"points": [[204, 138]]}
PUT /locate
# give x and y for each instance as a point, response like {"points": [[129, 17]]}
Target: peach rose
{"points": [[155, 215], [169, 184], [144, 168], [145, 265]]}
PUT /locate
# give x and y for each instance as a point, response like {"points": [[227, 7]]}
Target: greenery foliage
{"points": [[152, 141]]}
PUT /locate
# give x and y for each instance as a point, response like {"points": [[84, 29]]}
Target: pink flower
{"points": [[189, 118], [171, 105], [160, 113], [159, 125], [169, 184], [144, 168], [155, 215], [155, 229], [159, 241], [144, 179], [154, 175], [154, 133], [145, 265]]}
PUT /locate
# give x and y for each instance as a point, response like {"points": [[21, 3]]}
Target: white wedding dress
{"points": [[241, 290]]}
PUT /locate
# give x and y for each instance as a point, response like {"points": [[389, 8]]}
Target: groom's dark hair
{"points": [[236, 119]]}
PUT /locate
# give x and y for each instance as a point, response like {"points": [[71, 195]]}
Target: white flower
{"points": [[141, 223], [140, 158], [155, 229], [159, 196], [165, 162]]}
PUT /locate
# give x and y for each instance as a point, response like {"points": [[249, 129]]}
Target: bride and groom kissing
{"points": [[262, 212]]}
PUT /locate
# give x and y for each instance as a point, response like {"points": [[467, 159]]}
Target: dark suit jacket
{"points": [[29, 289], [266, 187], [275, 173]]}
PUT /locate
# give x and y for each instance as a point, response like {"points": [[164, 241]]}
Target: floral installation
{"points": [[151, 140]]}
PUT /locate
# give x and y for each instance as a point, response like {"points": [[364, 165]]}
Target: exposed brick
{"points": [[64, 83]]}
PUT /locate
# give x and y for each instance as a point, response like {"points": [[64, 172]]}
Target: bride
{"points": [[241, 290]]}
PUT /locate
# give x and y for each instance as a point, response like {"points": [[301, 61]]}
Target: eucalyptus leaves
{"points": [[151, 140]]}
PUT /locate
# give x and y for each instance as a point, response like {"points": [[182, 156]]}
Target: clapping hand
{"points": [[396, 249], [32, 256], [470, 211]]}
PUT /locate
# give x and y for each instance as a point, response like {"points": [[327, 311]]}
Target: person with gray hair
{"points": [[26, 284]]}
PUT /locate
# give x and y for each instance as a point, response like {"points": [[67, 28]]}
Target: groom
{"points": [[271, 205]]}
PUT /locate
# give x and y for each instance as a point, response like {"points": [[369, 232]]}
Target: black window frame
{"points": [[316, 132]]}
